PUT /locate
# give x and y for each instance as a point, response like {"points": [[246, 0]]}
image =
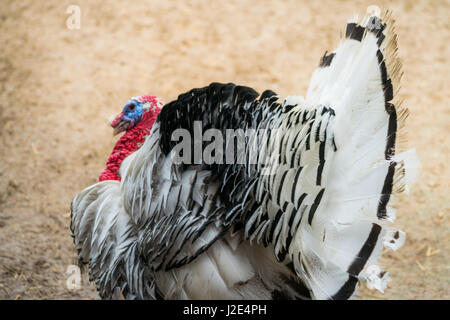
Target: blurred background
{"points": [[60, 84]]}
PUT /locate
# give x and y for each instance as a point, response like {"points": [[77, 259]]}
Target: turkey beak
{"points": [[119, 124]]}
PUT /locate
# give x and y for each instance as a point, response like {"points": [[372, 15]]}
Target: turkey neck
{"points": [[127, 144]]}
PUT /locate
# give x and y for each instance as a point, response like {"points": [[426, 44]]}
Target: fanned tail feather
{"points": [[352, 225]]}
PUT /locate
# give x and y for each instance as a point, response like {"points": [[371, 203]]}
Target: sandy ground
{"points": [[58, 87]]}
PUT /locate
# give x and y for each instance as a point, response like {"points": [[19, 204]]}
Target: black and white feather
{"points": [[304, 214]]}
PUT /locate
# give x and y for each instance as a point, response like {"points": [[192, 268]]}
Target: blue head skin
{"points": [[129, 117]]}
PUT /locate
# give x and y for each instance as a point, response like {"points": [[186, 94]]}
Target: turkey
{"points": [[278, 199]]}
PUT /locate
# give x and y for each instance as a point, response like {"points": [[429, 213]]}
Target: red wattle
{"points": [[127, 144]]}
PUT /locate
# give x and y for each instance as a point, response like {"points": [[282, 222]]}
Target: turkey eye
{"points": [[131, 107]]}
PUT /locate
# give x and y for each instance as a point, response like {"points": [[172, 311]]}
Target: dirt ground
{"points": [[59, 87]]}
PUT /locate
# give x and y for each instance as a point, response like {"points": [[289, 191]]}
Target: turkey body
{"points": [[301, 211]]}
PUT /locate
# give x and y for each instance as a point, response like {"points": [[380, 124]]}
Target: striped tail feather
{"points": [[353, 221]]}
